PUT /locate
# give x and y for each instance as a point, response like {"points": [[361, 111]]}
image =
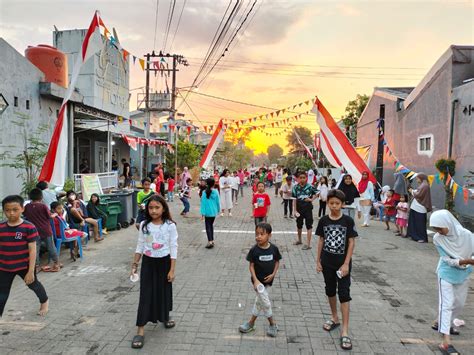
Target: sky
{"points": [[287, 51]]}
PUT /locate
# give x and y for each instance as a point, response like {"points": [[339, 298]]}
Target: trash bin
{"points": [[112, 209], [126, 217]]}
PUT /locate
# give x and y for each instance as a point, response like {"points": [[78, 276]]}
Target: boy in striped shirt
{"points": [[18, 253]]}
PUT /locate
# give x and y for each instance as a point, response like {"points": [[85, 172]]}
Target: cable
{"points": [[168, 26], [177, 26], [156, 22]]}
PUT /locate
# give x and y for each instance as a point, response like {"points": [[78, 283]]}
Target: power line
{"points": [[168, 25], [156, 22], [177, 26]]}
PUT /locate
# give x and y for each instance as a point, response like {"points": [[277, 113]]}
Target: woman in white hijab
{"points": [[455, 247]]}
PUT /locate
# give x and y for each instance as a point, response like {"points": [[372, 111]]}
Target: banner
{"points": [[90, 184], [211, 148]]}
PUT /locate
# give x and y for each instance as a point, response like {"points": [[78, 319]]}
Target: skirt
{"points": [[417, 226], [402, 222], [156, 293]]}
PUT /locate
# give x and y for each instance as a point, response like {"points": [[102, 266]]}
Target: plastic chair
{"points": [[62, 238]]}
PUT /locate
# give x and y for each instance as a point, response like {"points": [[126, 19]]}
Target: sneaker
{"points": [[272, 330], [246, 328], [222, 214], [230, 214]]}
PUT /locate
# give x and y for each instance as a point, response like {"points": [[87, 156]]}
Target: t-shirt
{"points": [[336, 242], [389, 206], [170, 184], [262, 201], [402, 214], [287, 191], [300, 193], [278, 176], [14, 254], [38, 214], [126, 170], [264, 261], [143, 197]]}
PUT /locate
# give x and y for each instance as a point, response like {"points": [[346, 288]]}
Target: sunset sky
{"points": [[289, 51]]}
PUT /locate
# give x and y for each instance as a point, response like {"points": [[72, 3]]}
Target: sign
{"points": [[90, 184]]}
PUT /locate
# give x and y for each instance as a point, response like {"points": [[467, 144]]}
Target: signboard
{"points": [[90, 184]]}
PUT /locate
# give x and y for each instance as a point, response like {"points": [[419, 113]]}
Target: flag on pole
{"points": [[216, 139], [317, 142], [54, 166], [308, 151], [340, 145]]}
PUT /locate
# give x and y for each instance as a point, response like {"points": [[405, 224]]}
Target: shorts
{"points": [[389, 218], [335, 285], [306, 217], [260, 220]]}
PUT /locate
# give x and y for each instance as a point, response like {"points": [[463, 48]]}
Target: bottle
{"points": [[260, 288]]}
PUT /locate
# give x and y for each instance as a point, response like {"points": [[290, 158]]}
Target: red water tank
{"points": [[51, 61]]}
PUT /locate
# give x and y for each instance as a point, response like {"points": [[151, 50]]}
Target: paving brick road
{"points": [[93, 303]]}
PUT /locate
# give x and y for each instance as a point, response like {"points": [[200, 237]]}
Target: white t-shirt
{"points": [[235, 182], [323, 192], [417, 207], [287, 190], [279, 176]]}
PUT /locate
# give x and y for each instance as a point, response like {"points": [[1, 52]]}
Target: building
{"points": [[431, 121]]}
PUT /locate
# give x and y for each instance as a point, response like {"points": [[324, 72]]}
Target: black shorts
{"points": [[306, 216], [335, 285]]}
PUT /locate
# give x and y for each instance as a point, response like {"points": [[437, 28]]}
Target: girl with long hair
{"points": [[210, 207], [323, 195], [225, 184]]}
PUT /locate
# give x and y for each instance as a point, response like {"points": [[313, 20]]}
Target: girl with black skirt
{"points": [[158, 243]]}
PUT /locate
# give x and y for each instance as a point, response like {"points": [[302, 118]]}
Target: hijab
{"points": [[458, 243], [349, 190], [400, 185], [423, 193], [363, 183]]}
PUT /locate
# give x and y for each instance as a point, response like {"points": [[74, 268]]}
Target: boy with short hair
{"points": [[37, 213], [264, 258], [304, 194], [18, 253], [260, 204], [334, 258]]}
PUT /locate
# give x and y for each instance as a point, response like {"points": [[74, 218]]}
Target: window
{"points": [[426, 145], [27, 104], [15, 101]]}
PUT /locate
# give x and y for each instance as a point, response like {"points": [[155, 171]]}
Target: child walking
{"points": [[185, 195], [402, 216], [260, 204], [285, 192], [18, 253], [334, 259], [454, 244], [210, 207], [264, 258], [235, 182], [37, 213], [157, 247]]}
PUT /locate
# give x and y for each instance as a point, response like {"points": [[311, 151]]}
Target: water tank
{"points": [[51, 61]]}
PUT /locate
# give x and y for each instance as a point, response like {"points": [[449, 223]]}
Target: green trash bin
{"points": [[112, 209]]}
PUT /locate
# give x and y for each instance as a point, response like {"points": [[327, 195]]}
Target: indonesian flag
{"points": [[54, 166], [337, 147], [216, 139], [300, 141]]}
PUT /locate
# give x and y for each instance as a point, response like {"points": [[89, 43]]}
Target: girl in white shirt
{"points": [[225, 183], [158, 248], [323, 195]]}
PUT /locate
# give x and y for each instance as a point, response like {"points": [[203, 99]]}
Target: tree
{"points": [[305, 135], [353, 111], [274, 153], [446, 166], [188, 155], [294, 162], [234, 156], [30, 160], [260, 160]]}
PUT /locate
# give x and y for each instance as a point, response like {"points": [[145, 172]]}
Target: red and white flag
{"points": [[317, 142], [54, 166], [308, 151], [216, 139], [337, 147]]}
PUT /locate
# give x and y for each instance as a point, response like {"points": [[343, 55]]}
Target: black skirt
{"points": [[156, 293], [417, 226]]}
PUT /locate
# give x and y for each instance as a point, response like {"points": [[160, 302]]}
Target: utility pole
{"points": [[147, 115], [380, 146]]}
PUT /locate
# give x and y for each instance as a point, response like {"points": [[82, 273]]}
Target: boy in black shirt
{"points": [[264, 258], [336, 245]]}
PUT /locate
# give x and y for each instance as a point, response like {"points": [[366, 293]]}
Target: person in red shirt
{"points": [[171, 183], [260, 204], [37, 213], [390, 212], [18, 253]]}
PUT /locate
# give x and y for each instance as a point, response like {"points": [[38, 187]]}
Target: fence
{"points": [[107, 180]]}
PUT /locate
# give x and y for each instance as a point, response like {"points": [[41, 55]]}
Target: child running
{"points": [[402, 216], [336, 244], [158, 248], [260, 204], [18, 253], [210, 207], [264, 258], [454, 244]]}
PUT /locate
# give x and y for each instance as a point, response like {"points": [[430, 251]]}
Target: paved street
{"points": [[93, 304]]}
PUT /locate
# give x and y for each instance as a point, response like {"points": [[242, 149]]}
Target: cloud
{"points": [[348, 10]]}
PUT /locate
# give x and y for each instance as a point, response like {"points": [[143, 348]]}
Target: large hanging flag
{"points": [[216, 139], [308, 151], [340, 145], [328, 152], [54, 166]]}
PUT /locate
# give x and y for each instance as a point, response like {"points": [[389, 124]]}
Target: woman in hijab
{"points": [[184, 177], [419, 208], [225, 184], [455, 247], [366, 191], [352, 196]]}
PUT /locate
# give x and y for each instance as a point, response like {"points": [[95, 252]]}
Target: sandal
{"points": [[346, 343], [297, 242], [138, 341], [170, 324], [330, 325], [448, 349], [452, 330], [46, 268], [306, 247]]}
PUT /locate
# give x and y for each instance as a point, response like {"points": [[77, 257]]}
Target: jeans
{"points": [[51, 249], [349, 212], [186, 204], [209, 222], [170, 196], [6, 280], [287, 205], [241, 189]]}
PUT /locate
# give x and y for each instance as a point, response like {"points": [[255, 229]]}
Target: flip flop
{"points": [[297, 242], [170, 324], [346, 343], [448, 349], [138, 341], [332, 325], [46, 268], [452, 330]]}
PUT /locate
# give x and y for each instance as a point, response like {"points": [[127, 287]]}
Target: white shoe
{"points": [[230, 214], [222, 214]]}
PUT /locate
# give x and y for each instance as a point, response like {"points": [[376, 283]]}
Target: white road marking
{"points": [[247, 232]]}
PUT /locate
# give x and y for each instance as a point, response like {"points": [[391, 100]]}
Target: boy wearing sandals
{"points": [[335, 247]]}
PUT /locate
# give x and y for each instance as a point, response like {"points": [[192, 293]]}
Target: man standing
{"points": [[126, 173], [278, 179], [115, 165]]}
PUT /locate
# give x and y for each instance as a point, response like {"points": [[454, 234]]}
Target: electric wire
{"points": [[177, 26]]}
